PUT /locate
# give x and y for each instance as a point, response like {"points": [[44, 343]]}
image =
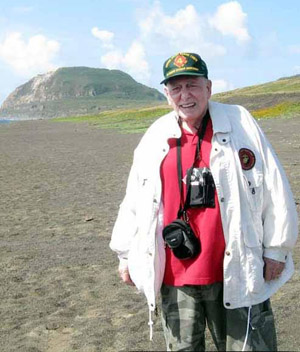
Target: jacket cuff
{"points": [[276, 254], [123, 264]]}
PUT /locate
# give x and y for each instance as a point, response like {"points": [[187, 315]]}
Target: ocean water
{"points": [[3, 121]]}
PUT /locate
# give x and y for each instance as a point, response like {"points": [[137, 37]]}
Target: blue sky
{"points": [[243, 42]]}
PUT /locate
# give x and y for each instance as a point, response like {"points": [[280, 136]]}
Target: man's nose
{"points": [[185, 92]]}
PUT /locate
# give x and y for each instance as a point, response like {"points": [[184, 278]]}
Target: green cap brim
{"points": [[183, 74]]}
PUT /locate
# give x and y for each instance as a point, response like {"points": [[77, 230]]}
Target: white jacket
{"points": [[257, 208]]}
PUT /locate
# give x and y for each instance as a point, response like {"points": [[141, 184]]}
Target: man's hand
{"points": [[125, 277], [273, 269]]}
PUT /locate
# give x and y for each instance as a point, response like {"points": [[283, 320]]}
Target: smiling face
{"points": [[189, 95]]}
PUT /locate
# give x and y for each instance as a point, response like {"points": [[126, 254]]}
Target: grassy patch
{"points": [[287, 109], [126, 121], [138, 120]]}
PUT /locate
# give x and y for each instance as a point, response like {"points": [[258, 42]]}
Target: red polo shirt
{"points": [[207, 267]]}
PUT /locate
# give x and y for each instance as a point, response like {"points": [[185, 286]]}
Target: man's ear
{"points": [[209, 87], [167, 95]]}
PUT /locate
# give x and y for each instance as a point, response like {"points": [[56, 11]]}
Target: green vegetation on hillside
{"points": [[92, 82], [273, 99], [138, 120], [283, 85], [279, 97], [286, 110], [126, 121]]}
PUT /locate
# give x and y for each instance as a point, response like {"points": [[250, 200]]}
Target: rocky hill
{"points": [[77, 91]]}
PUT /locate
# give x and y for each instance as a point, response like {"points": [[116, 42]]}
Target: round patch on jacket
{"points": [[247, 158]]}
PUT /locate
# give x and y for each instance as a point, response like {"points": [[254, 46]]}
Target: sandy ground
{"points": [[60, 187]]}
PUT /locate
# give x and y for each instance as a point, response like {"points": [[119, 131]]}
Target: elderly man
{"points": [[208, 219]]}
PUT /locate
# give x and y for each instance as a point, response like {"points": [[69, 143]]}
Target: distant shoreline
{"points": [[16, 119], [2, 121]]}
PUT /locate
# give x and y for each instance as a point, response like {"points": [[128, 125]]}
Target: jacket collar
{"points": [[172, 126], [219, 117]]}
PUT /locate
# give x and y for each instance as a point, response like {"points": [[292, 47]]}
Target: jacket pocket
{"points": [[254, 258], [253, 232], [255, 268], [137, 261]]}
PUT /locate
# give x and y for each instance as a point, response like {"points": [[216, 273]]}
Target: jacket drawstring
{"points": [[150, 323], [248, 326]]}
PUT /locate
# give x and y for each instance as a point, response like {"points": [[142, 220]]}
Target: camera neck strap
{"points": [[201, 134]]}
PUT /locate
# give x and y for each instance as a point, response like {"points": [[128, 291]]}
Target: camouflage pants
{"points": [[186, 310]]}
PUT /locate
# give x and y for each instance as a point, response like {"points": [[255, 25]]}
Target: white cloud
{"points": [[133, 61], [28, 58], [112, 59], [185, 31], [106, 37], [294, 49], [296, 69], [23, 9], [161, 35], [220, 85], [230, 19]]}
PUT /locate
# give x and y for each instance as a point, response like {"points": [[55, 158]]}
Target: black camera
{"points": [[200, 188], [181, 239]]}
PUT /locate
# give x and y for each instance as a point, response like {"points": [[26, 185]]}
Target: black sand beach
{"points": [[60, 187]]}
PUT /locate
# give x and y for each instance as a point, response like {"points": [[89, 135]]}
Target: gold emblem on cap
{"points": [[180, 60]]}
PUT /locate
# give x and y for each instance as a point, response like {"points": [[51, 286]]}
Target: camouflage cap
{"points": [[184, 64]]}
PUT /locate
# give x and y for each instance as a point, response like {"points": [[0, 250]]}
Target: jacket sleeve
{"points": [[279, 216], [125, 226]]}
